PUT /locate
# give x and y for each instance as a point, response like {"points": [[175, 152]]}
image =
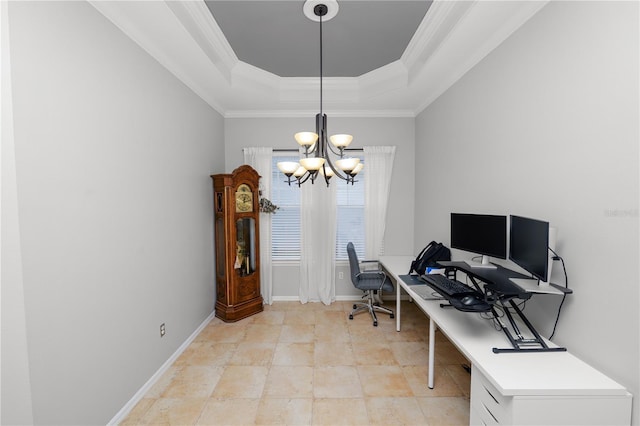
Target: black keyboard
{"points": [[447, 287]]}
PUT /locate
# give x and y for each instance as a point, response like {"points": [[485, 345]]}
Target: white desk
{"points": [[516, 388]]}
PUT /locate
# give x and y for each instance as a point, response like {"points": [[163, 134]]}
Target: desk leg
{"points": [[432, 351], [397, 307]]}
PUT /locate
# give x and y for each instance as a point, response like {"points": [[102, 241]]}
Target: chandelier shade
{"points": [[318, 152]]}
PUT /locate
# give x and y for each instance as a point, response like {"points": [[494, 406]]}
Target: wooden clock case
{"points": [[237, 244]]}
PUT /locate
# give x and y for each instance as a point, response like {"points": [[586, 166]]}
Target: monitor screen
{"points": [[480, 233], [529, 245]]}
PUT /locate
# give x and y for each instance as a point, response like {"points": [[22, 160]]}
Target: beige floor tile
{"points": [[289, 382], [163, 382], [395, 411], [336, 382], [294, 354], [446, 353], [301, 333], [174, 411], [284, 411], [373, 353], [348, 411], [443, 384], [460, 376], [265, 333], [137, 413], [365, 331], [206, 354], [408, 335], [193, 382], [331, 317], [222, 333], [229, 412], [332, 332], [383, 380], [333, 353], [445, 410], [271, 316], [241, 382], [410, 353], [308, 363], [300, 317], [253, 353]]}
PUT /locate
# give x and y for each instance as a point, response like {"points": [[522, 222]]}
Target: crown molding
{"points": [[394, 113], [479, 30], [452, 38], [200, 23]]}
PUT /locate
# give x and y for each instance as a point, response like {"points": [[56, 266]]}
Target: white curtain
{"points": [[379, 163], [260, 159], [317, 241]]}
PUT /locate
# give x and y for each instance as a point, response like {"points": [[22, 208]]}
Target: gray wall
{"points": [[278, 133], [113, 198], [547, 127]]}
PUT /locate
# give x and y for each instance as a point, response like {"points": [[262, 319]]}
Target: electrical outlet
{"points": [[162, 330], [340, 275]]}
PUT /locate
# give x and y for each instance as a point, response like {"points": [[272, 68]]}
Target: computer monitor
{"points": [[482, 234], [529, 245]]}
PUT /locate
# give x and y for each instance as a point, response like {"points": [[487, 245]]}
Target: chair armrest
{"points": [[368, 263], [371, 273]]}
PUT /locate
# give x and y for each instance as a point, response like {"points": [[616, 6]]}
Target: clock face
{"points": [[244, 199]]}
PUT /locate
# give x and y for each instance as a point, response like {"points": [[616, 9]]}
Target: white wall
{"points": [[113, 196], [547, 127], [278, 133]]}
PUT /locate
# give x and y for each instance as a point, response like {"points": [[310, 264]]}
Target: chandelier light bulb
{"points": [[357, 169], [326, 171], [300, 172], [288, 167], [306, 138], [341, 141], [312, 163], [347, 164]]}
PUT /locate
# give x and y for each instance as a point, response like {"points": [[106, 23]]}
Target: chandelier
{"points": [[317, 150]]}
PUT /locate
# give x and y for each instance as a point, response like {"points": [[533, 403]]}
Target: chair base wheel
{"points": [[350, 316], [355, 306], [375, 323], [391, 316]]}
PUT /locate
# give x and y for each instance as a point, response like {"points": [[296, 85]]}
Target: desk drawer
{"points": [[492, 407]]}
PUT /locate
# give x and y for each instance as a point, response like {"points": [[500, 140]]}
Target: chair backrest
{"points": [[354, 265]]}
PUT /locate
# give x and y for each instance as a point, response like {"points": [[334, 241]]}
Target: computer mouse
{"points": [[469, 300]]}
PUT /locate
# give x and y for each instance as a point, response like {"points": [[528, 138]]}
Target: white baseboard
{"points": [[124, 411]]}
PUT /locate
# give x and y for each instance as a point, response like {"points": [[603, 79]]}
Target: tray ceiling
{"points": [[261, 58]]}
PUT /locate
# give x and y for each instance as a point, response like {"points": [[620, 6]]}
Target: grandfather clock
{"points": [[236, 214]]}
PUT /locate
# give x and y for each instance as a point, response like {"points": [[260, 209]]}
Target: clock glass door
{"points": [[245, 263]]}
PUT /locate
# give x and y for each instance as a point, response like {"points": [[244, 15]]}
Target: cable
{"points": [[564, 296]]}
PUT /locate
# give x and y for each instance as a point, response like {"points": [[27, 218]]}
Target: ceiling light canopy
{"points": [[317, 149]]}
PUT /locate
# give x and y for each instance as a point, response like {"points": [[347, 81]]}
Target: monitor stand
{"points": [[485, 264]]}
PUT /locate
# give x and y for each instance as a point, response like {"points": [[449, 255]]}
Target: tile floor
{"points": [[310, 365]]}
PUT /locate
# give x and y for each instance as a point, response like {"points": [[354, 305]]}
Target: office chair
{"points": [[372, 282]]}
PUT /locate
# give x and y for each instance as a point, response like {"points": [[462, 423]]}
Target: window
{"points": [[285, 223]]}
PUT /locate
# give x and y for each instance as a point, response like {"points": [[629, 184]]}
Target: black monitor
{"points": [[480, 233], [529, 245]]}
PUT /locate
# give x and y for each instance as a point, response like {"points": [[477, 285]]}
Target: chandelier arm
{"points": [[339, 152]]}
